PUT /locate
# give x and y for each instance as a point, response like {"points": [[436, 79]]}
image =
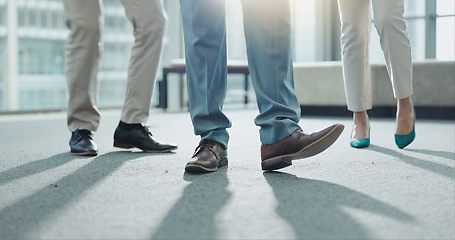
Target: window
{"points": [[430, 26], [315, 37], [2, 14], [303, 30], [21, 18], [236, 49]]}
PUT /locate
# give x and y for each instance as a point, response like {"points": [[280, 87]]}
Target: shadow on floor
{"points": [[428, 165], [317, 209], [442, 154], [35, 167], [193, 215], [18, 220]]}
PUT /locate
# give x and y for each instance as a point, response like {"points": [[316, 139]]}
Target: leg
{"points": [[267, 34], [355, 37], [395, 44], [355, 34], [84, 20], [405, 131], [204, 31], [360, 129], [149, 22], [405, 116]]}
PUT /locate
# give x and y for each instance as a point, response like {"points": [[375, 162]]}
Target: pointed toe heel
{"points": [[360, 143], [404, 140]]}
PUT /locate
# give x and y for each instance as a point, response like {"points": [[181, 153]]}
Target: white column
{"points": [[10, 86]]}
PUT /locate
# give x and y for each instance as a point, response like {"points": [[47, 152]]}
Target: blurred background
{"points": [[36, 28]]}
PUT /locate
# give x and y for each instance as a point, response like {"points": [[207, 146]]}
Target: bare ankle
{"points": [[405, 105], [360, 118]]}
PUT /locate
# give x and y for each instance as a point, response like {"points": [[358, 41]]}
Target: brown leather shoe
{"points": [[207, 157], [297, 146]]}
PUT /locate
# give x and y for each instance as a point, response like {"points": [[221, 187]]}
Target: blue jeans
{"points": [[267, 33]]}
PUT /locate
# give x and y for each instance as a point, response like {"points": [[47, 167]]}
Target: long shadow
{"points": [[315, 209], [431, 166], [193, 215], [35, 167], [442, 154], [24, 216]]}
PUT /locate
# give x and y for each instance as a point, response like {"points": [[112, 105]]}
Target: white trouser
{"points": [[355, 19], [84, 18]]}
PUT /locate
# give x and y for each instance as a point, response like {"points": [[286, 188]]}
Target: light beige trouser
{"points": [[355, 16], [84, 18]]}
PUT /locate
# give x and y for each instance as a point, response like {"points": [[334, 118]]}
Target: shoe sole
{"points": [[306, 152], [128, 146], [88, 153], [195, 168]]}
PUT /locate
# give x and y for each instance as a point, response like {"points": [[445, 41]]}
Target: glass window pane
{"points": [[414, 8], [416, 34], [445, 7], [234, 27], [445, 38], [2, 15], [304, 30], [32, 17], [21, 19], [43, 17]]}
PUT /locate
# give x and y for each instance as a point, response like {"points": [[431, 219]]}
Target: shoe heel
{"points": [[223, 162], [404, 140], [275, 163], [122, 145], [360, 143]]}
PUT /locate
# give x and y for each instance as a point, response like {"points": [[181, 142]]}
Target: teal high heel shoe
{"points": [[360, 143], [404, 140]]}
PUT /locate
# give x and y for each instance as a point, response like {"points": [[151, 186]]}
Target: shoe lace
{"points": [[203, 145], [146, 130], [83, 133]]}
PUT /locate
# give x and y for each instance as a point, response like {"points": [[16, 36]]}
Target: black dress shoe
{"points": [[207, 157], [82, 144], [140, 137]]}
